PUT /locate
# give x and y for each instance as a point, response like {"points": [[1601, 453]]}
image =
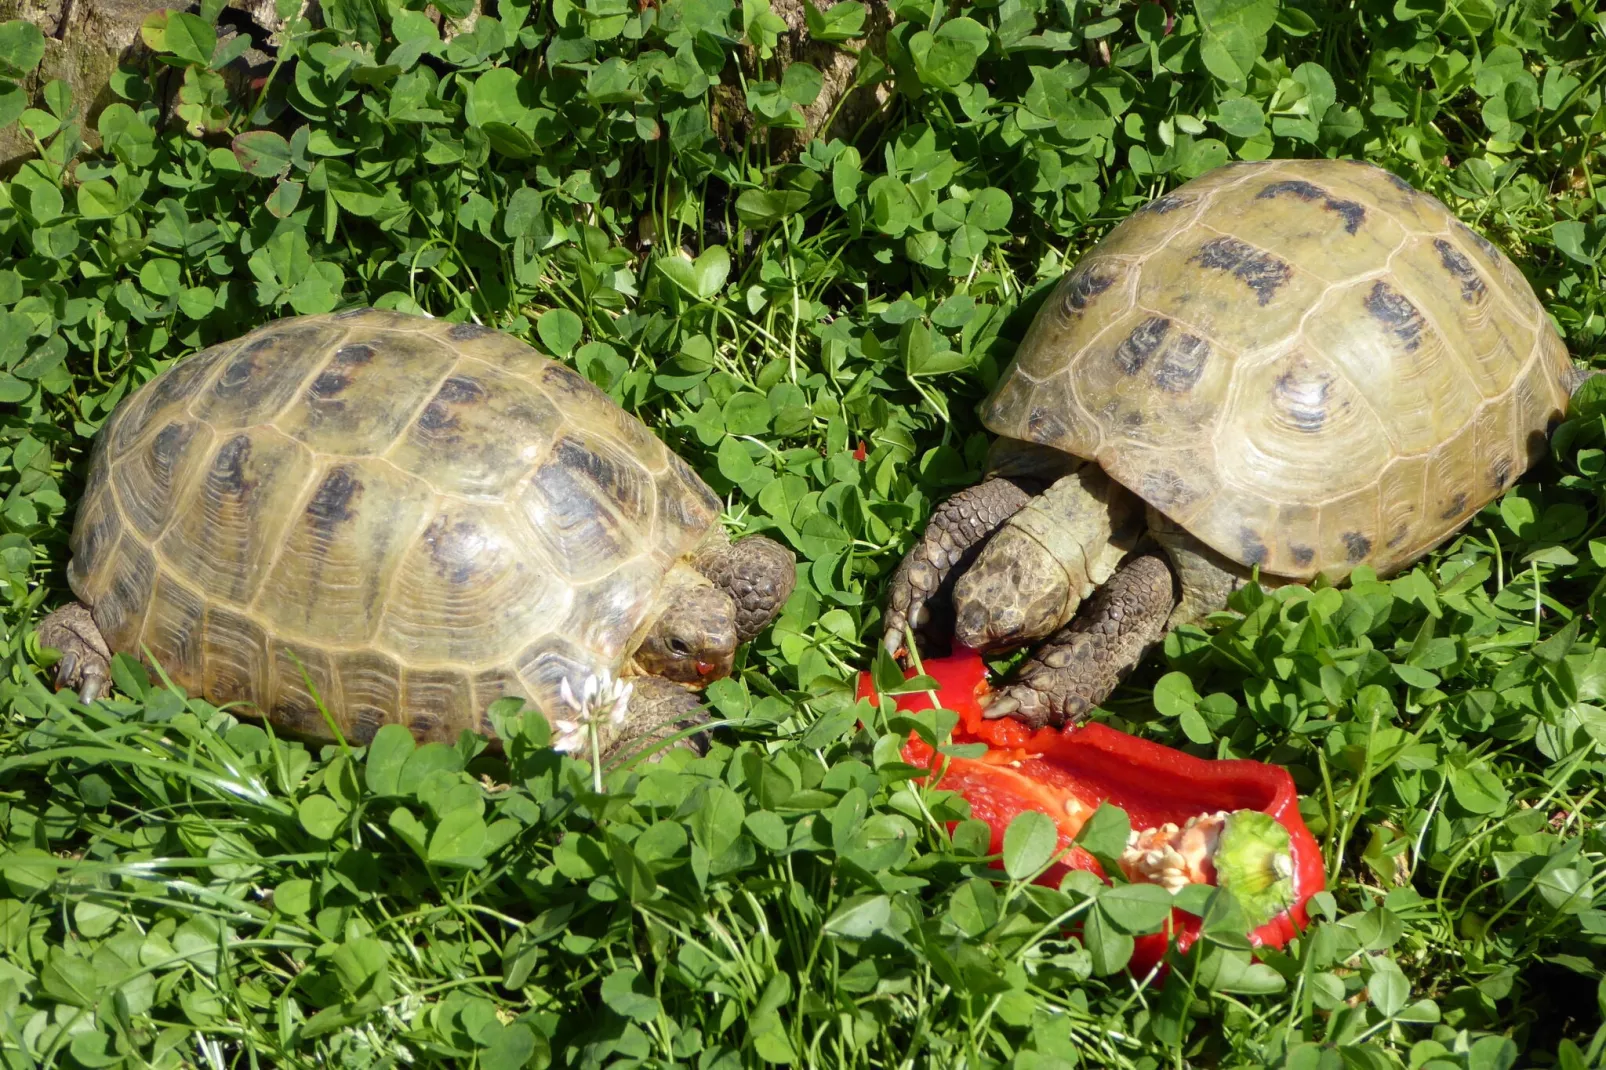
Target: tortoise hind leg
{"points": [[1206, 578], [85, 658]]}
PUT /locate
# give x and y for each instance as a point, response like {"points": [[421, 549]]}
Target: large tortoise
{"points": [[425, 516], [1300, 366]]}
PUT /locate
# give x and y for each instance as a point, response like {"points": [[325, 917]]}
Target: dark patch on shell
{"points": [[1396, 312], [1251, 546], [1488, 247], [1356, 546], [167, 444], [464, 332], [353, 313], [337, 376], [423, 724], [457, 390], [1351, 212], [1136, 349], [460, 389], [1303, 555], [437, 417], [298, 715], [1303, 399], [238, 372], [1305, 191], [1083, 286], [1472, 287], [620, 484], [1164, 205], [228, 468], [365, 726], [329, 385], [1261, 272], [176, 382], [1399, 183], [455, 548], [567, 381], [331, 503], [1182, 364], [1044, 425], [693, 483], [1499, 472], [1455, 508], [1165, 486], [1399, 535]]}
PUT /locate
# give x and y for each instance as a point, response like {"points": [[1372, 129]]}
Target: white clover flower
{"points": [[601, 695]]}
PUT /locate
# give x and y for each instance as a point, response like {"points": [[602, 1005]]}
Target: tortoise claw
{"points": [[995, 707], [91, 689]]}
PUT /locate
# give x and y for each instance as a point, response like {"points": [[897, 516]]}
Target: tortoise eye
{"points": [[679, 648]]}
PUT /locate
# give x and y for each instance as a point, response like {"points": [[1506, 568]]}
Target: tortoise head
{"points": [[694, 639]]}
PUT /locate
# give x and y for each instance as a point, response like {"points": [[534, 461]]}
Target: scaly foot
{"points": [[85, 663]]}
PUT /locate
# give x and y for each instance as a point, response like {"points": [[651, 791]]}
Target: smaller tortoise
{"points": [[424, 516], [1300, 366]]}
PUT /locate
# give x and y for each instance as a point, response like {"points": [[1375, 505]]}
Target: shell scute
{"points": [[568, 519], [153, 478], [264, 373], [1213, 284], [365, 393], [175, 625], [480, 432], [236, 515], [370, 684], [440, 701], [466, 592], [294, 704], [237, 660], [120, 610], [336, 560]]}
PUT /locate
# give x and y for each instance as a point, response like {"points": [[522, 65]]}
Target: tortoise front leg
{"points": [[85, 663], [658, 709], [955, 532], [1081, 664], [757, 572]]}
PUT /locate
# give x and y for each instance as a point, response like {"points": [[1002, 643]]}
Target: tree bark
{"points": [[838, 66], [85, 41]]}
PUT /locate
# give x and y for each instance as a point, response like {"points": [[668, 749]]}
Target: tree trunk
{"points": [[838, 66], [85, 41]]}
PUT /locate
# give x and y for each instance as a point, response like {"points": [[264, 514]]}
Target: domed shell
{"points": [[1307, 364], [423, 516]]}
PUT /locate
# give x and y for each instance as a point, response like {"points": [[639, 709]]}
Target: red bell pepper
{"points": [[1066, 774]]}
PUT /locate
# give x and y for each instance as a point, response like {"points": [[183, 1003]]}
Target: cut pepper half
{"points": [[1067, 773]]}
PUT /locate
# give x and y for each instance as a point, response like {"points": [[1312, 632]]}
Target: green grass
{"points": [[179, 888]]}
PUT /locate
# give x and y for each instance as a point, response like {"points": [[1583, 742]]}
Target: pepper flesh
{"points": [[1067, 773]]}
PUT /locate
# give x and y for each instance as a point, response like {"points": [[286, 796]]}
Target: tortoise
{"points": [[1297, 366], [424, 516]]}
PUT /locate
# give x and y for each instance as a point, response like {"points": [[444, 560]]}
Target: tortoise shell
{"points": [[1308, 364], [424, 516]]}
